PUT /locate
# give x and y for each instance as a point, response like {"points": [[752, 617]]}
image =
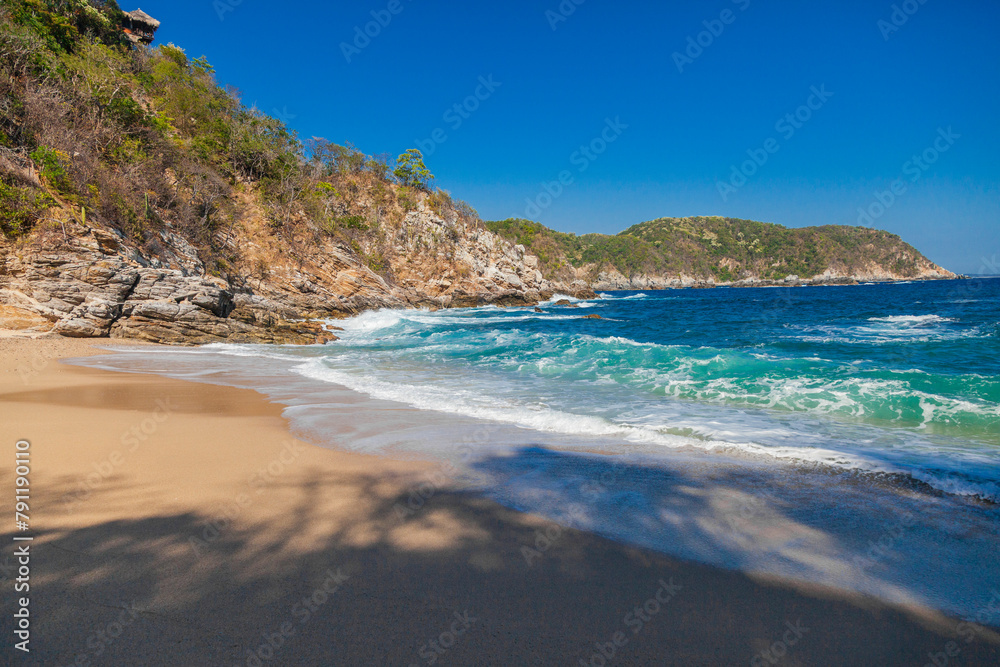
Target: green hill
{"points": [[721, 250]]}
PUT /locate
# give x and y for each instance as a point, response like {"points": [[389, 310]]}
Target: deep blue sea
{"points": [[843, 435]]}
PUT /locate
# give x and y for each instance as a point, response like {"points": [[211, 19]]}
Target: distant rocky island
{"points": [[139, 199]]}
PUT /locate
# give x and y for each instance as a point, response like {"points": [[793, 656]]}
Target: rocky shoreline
{"points": [[90, 282], [760, 282], [616, 281]]}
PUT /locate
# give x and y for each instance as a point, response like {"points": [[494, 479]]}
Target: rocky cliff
{"points": [[90, 281]]}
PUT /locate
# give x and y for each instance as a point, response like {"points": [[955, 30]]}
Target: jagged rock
{"points": [[593, 316], [95, 282], [88, 293]]}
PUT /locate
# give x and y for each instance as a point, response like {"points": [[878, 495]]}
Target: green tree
{"points": [[411, 170]]}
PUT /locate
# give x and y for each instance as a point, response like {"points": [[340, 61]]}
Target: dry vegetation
{"points": [[145, 141]]}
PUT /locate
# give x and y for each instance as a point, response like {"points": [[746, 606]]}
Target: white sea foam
{"points": [[385, 354], [912, 319], [378, 320], [611, 297], [887, 330], [467, 401], [560, 297]]}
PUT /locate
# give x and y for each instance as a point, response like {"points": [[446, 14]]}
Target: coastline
{"points": [[847, 281], [203, 532]]}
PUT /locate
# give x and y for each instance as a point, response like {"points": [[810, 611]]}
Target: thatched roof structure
{"points": [[143, 17]]}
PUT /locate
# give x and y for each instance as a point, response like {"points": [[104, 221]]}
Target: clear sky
{"points": [[921, 84]]}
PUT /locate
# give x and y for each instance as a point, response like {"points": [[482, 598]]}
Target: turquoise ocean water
{"points": [[847, 435]]}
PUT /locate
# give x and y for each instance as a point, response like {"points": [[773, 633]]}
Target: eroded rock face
{"points": [[85, 291], [92, 283]]}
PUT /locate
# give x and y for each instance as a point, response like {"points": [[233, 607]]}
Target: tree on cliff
{"points": [[411, 170]]}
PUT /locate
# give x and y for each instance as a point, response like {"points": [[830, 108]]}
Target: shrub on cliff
{"points": [[20, 208]]}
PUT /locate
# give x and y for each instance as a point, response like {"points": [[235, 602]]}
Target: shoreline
{"points": [[213, 522], [805, 282]]}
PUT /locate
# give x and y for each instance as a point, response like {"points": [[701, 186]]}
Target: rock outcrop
{"points": [[91, 282], [78, 289]]}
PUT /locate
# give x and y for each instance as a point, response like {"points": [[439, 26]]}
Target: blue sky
{"points": [[923, 83]]}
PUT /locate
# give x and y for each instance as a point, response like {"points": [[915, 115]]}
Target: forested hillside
{"points": [[722, 250]]}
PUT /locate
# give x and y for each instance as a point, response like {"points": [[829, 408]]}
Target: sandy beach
{"points": [[177, 523]]}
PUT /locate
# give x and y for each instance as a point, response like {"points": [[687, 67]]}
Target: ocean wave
{"points": [[915, 320], [560, 297], [379, 320], [887, 330], [630, 297], [468, 402], [650, 374], [809, 385]]}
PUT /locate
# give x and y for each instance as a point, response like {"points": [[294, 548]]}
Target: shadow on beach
{"points": [[352, 572]]}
